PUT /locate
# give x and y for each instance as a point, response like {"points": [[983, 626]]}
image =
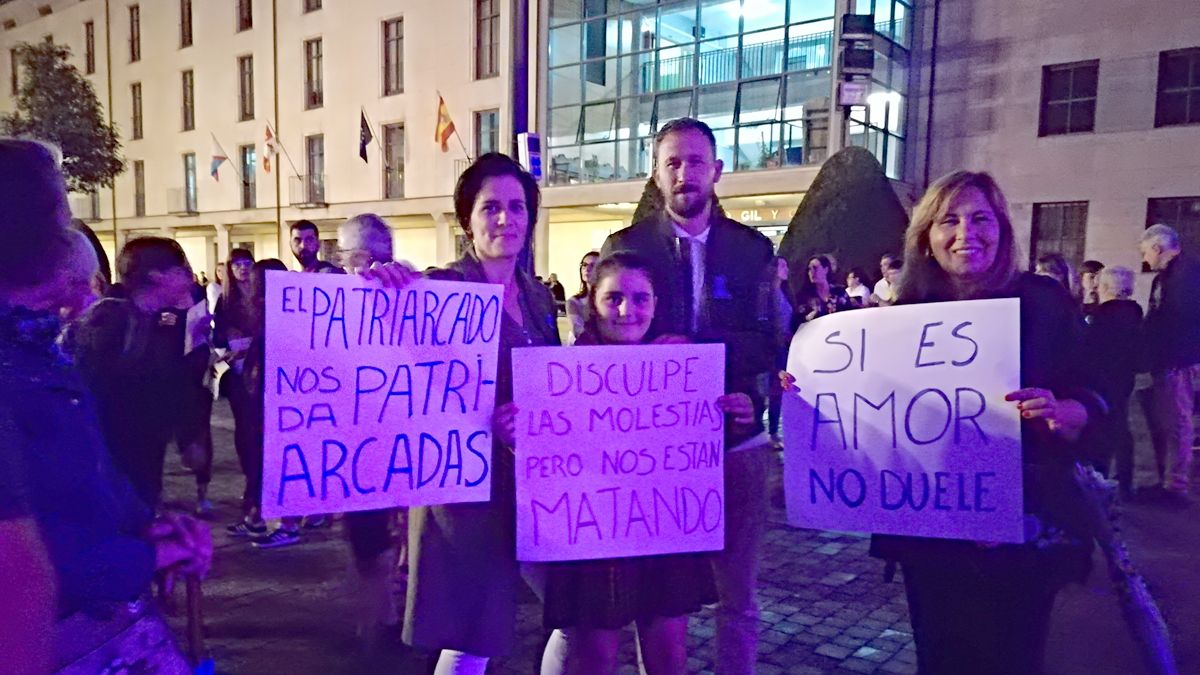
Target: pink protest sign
{"points": [[620, 451], [377, 397], [900, 426]]}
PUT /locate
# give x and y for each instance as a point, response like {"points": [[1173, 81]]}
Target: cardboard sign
{"points": [[377, 397], [620, 451], [900, 424]]}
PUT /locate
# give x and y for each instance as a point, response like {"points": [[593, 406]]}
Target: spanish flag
{"points": [[445, 125]]}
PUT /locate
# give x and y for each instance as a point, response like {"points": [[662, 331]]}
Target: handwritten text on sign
{"points": [[377, 397], [619, 451], [900, 425]]}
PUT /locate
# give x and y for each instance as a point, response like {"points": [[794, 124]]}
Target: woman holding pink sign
{"points": [[980, 607], [591, 601]]}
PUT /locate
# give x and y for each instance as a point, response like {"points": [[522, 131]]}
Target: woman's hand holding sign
{"points": [[1064, 418], [504, 424], [393, 274], [738, 407]]}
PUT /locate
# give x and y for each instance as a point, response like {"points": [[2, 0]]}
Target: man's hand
{"points": [[182, 546]]}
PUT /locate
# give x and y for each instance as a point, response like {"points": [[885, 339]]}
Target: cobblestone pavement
{"points": [[825, 605]]}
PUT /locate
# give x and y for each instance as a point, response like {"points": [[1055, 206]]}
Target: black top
{"points": [[1173, 321], [735, 264], [55, 467], [1114, 347]]}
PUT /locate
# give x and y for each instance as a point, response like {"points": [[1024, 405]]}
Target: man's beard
{"points": [[688, 203], [306, 259]]}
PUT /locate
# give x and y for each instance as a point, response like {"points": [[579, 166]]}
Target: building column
{"points": [[222, 243], [541, 243], [443, 225]]}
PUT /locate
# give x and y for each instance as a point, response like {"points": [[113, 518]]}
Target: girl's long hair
{"points": [[923, 279]]}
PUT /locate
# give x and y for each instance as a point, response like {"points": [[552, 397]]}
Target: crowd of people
{"points": [[100, 380]]}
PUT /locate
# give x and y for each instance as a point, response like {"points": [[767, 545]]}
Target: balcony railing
{"points": [[308, 190], [181, 202]]}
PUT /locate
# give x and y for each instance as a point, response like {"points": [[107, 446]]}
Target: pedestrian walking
{"points": [[977, 607], [709, 273], [1172, 333]]}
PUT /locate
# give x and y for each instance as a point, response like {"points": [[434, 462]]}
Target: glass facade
{"points": [[879, 127], [757, 71]]}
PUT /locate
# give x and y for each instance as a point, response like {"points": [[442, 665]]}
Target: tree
{"points": [[57, 104], [851, 211]]}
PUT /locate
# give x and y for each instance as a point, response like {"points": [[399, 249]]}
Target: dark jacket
{"points": [[1051, 358], [1173, 321], [56, 468], [1114, 347], [735, 263]]}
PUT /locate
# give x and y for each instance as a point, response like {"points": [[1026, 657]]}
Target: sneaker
{"points": [[204, 509], [244, 529], [278, 539]]}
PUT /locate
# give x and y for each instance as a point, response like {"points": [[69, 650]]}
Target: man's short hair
{"points": [[1119, 279], [304, 225], [376, 235], [683, 124], [1162, 235], [1090, 267], [896, 264]]}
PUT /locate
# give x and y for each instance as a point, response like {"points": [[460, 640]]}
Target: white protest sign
{"points": [[377, 397], [620, 451], [900, 425]]}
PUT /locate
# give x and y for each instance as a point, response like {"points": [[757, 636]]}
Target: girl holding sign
{"points": [[979, 607], [592, 600]]}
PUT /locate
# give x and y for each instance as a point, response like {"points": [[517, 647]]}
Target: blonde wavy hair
{"points": [[923, 279]]}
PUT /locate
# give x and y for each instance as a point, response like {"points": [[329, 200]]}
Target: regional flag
{"points": [[445, 125], [270, 148], [218, 158], [364, 135]]}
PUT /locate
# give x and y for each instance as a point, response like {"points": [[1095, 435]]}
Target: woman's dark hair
{"points": [[233, 291], [807, 287], [493, 165], [144, 255], [101, 256], [608, 266], [259, 273], [584, 284]]}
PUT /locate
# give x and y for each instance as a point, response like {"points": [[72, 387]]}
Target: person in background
{"points": [[78, 549], [1114, 346], [193, 435], [214, 290], [306, 243], [784, 322], [83, 270], [465, 579], [577, 305], [1172, 334], [883, 287], [103, 278], [817, 296], [709, 274], [593, 600], [892, 276], [203, 280], [977, 607], [1089, 272], [559, 293], [1056, 267], [235, 324], [856, 287], [130, 352]]}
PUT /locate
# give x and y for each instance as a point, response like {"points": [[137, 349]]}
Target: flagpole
{"points": [[460, 138], [232, 164], [374, 135], [279, 141]]}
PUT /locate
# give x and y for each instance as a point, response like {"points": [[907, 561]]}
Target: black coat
{"points": [[1173, 322], [735, 262], [1114, 347]]}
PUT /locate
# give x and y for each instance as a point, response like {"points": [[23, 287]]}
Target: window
{"points": [[393, 168], [311, 5], [189, 100], [139, 188], [89, 47], [185, 23], [1059, 227], [1178, 88], [1182, 214], [487, 38], [1068, 98], [314, 93], [245, 15], [135, 93], [245, 88], [249, 159], [189, 182], [135, 33], [314, 184], [393, 57], [487, 129]]}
